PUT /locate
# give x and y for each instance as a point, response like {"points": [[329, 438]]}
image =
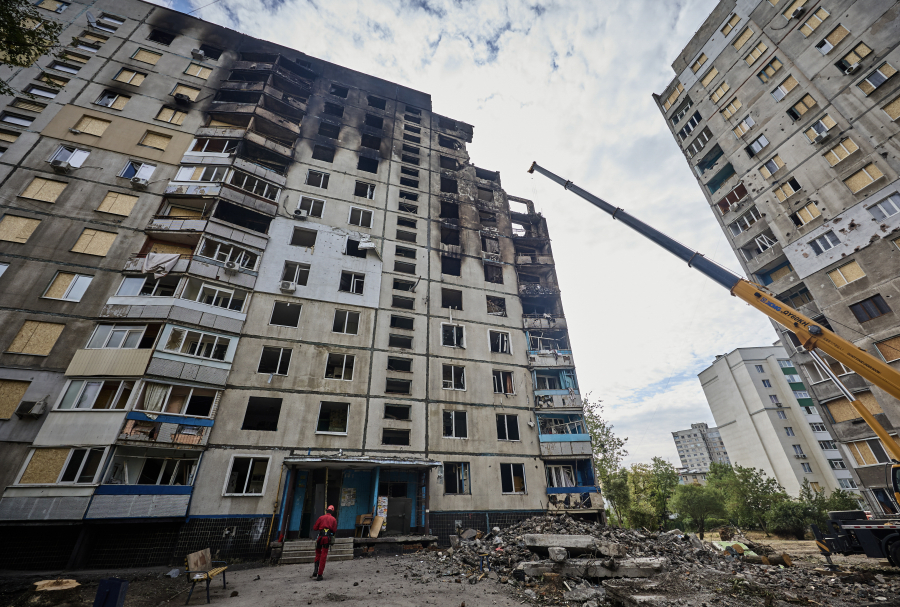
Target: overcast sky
{"points": [[568, 84]]}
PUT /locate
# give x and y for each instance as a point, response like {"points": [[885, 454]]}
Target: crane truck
{"points": [[847, 532]]}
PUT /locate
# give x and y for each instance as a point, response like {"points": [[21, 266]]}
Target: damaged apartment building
{"points": [[238, 283], [786, 111]]}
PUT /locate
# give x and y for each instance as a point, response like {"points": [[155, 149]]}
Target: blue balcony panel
{"points": [[564, 438], [551, 490]]}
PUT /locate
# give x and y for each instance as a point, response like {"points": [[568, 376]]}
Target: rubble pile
{"points": [[558, 560]]}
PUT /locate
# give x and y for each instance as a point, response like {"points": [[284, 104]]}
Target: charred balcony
{"points": [[538, 282]]}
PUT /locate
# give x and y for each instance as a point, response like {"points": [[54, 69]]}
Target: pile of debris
{"points": [[558, 560]]}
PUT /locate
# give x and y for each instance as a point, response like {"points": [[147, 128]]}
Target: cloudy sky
{"points": [[569, 84]]}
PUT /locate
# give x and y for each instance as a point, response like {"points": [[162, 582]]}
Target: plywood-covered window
{"points": [[730, 24], [832, 39], [17, 229], [11, 394], [889, 349], [814, 21], [8, 136], [868, 452], [877, 78], [709, 76], [673, 96], [171, 115], [840, 151], [769, 70], [787, 189], [200, 71], [806, 214], [801, 107], [45, 466], [29, 105], [92, 126], [695, 67], [786, 86], [94, 242], [36, 338], [756, 53], [819, 127], [156, 140], [130, 77], [741, 40], [846, 274], [45, 190], [731, 108], [720, 92], [145, 56], [792, 6], [865, 176], [113, 100], [68, 286], [118, 203], [771, 166], [182, 89]]}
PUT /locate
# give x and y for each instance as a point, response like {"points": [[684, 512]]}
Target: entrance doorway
{"points": [[323, 489]]}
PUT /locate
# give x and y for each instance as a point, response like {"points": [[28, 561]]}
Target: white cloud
{"points": [[568, 84]]}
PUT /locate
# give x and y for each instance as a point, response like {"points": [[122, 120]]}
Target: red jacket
{"points": [[326, 521]]}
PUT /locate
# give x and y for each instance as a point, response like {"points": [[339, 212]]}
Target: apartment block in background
{"points": [[239, 283], [700, 446], [786, 112]]}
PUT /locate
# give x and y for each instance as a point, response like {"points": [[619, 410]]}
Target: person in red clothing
{"points": [[325, 526]]}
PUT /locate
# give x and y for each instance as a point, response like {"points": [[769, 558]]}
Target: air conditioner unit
{"points": [[231, 267], [300, 214], [821, 137], [198, 54], [182, 98], [60, 166], [797, 13], [33, 409], [800, 455], [852, 68], [139, 183], [75, 131], [288, 287]]}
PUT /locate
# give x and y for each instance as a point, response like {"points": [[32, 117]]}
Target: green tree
{"points": [[698, 503], [608, 451], [663, 481], [819, 504], [790, 517], [24, 36], [749, 495], [618, 493]]}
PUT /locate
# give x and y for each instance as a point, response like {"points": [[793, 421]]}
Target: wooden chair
{"points": [[199, 567], [363, 524]]}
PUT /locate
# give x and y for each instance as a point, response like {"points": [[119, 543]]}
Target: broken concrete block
{"points": [[469, 534], [584, 594], [611, 549], [557, 554], [454, 541], [590, 568], [575, 544]]}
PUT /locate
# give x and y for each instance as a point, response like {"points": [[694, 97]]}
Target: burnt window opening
{"points": [[490, 245], [446, 123], [404, 267], [411, 150], [161, 37], [451, 298], [448, 142], [303, 237], [406, 222], [548, 340], [392, 436], [410, 183], [533, 308], [211, 52], [449, 186], [409, 196], [488, 219], [398, 386], [237, 97], [488, 175], [412, 129], [333, 109], [529, 278], [371, 141], [376, 102], [410, 159], [339, 91], [376, 122], [415, 119], [403, 303], [369, 165], [400, 341], [450, 163], [409, 171], [364, 190], [408, 208], [404, 365], [449, 209], [398, 412], [325, 154], [327, 129], [285, 314], [412, 138], [450, 236], [451, 266], [317, 179], [406, 236], [403, 285], [262, 414], [259, 57], [496, 306], [402, 322], [353, 249], [404, 252], [263, 157], [486, 195], [411, 110], [239, 216], [493, 273], [242, 76]]}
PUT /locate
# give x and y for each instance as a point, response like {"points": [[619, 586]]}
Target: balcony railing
{"points": [[574, 498], [172, 430], [556, 399], [168, 223], [523, 260], [544, 321], [529, 289]]}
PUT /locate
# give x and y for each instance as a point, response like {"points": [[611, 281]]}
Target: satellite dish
{"points": [[91, 19]]}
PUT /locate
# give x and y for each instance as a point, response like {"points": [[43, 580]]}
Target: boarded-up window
{"points": [[893, 109], [36, 338], [699, 63], [94, 242], [92, 126], [673, 96], [840, 151], [44, 189], [190, 91], [814, 21], [53, 5], [719, 92], [889, 348], [27, 104], [865, 176], [868, 452], [823, 125], [200, 71], [146, 56], [17, 229], [771, 166], [118, 203], [806, 214], [789, 10], [802, 106], [877, 78], [156, 140], [131, 77], [709, 76], [836, 35], [845, 274], [8, 136], [789, 84], [741, 40], [11, 394], [731, 109], [756, 53], [45, 466], [841, 410], [171, 115], [730, 24]]}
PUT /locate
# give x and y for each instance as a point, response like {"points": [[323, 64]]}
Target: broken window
{"points": [[240, 216], [453, 336], [404, 285], [400, 341], [161, 37], [398, 412], [285, 314], [325, 154], [560, 476], [548, 340], [262, 414], [449, 209], [512, 478], [496, 306], [404, 252], [448, 142], [317, 179], [345, 321], [448, 162], [339, 366], [364, 190], [399, 364], [141, 170], [411, 149], [333, 418], [398, 386], [252, 184], [409, 196], [453, 378], [493, 273], [177, 400], [376, 102], [529, 278], [206, 145], [406, 236], [449, 186], [297, 273], [407, 208], [247, 476], [508, 427], [409, 171], [194, 343], [370, 141], [274, 361], [561, 423], [485, 194], [369, 165], [98, 394], [456, 478], [499, 341], [409, 159], [353, 249], [412, 129], [410, 183], [130, 470], [333, 109], [402, 322], [455, 422], [339, 91], [225, 253], [392, 436], [376, 122], [451, 266], [311, 206], [360, 217], [352, 283], [404, 303], [488, 220], [327, 129], [406, 222], [503, 382], [140, 286], [451, 298], [210, 52], [450, 235], [491, 245]]}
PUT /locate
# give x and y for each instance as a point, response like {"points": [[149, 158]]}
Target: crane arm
{"points": [[810, 334]]}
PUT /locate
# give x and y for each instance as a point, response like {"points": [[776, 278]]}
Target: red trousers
{"points": [[321, 557]]}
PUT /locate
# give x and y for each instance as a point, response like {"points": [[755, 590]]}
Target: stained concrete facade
{"points": [[698, 447], [240, 283], [785, 111]]}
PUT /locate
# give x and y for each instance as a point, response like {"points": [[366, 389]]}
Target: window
{"points": [[841, 151], [451, 266], [302, 237], [689, 126], [818, 427], [140, 286], [847, 483], [116, 336], [846, 274], [333, 418], [832, 40], [376, 102], [96, 394], [201, 173], [837, 464], [317, 179], [94, 242], [398, 386], [247, 475], [801, 394], [176, 117], [455, 425], [805, 215], [297, 273], [451, 298], [65, 67], [781, 415], [870, 308], [819, 127], [404, 303], [223, 252], [127, 76], [156, 141], [407, 208], [814, 21], [399, 364], [868, 452], [787, 85], [339, 366], [759, 369], [801, 107], [453, 336], [806, 468], [274, 361], [406, 236], [353, 249], [787, 189], [493, 273], [771, 166], [161, 37], [730, 24], [512, 478], [456, 478], [285, 314], [709, 76], [29, 105], [145, 56], [68, 286], [54, 6], [215, 295], [323, 153], [503, 382], [731, 109], [107, 21], [695, 67], [854, 57], [508, 427], [352, 283], [254, 185], [499, 341], [798, 450], [137, 169], [864, 177], [376, 122], [673, 96], [404, 267], [454, 378], [312, 206], [17, 229], [756, 53], [680, 112], [364, 190], [876, 78], [789, 431], [827, 445], [369, 165], [769, 70], [199, 71], [262, 414], [756, 145], [360, 217], [345, 322], [393, 436], [397, 412]]}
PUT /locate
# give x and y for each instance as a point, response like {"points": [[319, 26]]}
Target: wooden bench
{"points": [[200, 567]]}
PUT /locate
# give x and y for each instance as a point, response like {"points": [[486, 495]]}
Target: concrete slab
{"points": [[591, 568]]}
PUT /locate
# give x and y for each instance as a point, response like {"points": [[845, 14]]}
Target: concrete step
{"points": [[295, 560], [301, 553]]}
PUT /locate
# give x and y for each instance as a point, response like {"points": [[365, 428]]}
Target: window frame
{"points": [[252, 457], [453, 423], [343, 376], [502, 381], [524, 490], [355, 279], [362, 213], [507, 340], [71, 286], [330, 432], [289, 303], [506, 417], [454, 379], [464, 476], [281, 351], [102, 381], [185, 332], [459, 340], [347, 314]]}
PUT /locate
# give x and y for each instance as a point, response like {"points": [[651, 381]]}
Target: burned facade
{"points": [[238, 283], [785, 110]]}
